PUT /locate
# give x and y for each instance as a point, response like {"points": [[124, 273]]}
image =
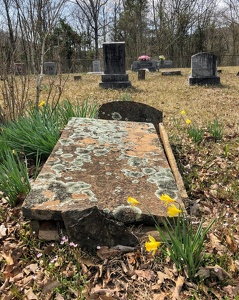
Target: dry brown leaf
{"points": [[85, 270], [48, 249], [3, 231], [104, 252], [30, 295], [8, 258], [232, 244], [98, 292], [169, 273], [32, 268], [205, 272], [49, 287], [88, 261], [178, 288], [145, 274], [18, 277], [232, 290], [59, 297], [27, 280], [124, 268], [162, 276], [160, 296], [216, 244]]}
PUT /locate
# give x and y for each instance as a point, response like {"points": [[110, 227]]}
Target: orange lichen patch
{"points": [[48, 204], [79, 196], [88, 141], [48, 194], [146, 142], [52, 159]]}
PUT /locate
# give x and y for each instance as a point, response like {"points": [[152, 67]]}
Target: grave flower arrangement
{"points": [[144, 57]]}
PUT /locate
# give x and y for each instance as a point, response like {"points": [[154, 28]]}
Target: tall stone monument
{"points": [[204, 69], [114, 66]]}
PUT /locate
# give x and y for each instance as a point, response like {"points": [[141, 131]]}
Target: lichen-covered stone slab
{"points": [[99, 163]]}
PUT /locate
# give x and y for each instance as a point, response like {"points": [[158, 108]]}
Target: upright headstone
{"points": [[166, 64], [114, 66], [96, 66], [141, 74], [204, 69], [151, 65], [49, 68], [19, 69]]}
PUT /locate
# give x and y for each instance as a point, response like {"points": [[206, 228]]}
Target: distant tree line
{"points": [[69, 32]]}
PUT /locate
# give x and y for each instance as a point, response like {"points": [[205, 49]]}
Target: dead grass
{"points": [[169, 94], [210, 172]]}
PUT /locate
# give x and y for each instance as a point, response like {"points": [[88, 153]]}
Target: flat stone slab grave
{"points": [[94, 167]]}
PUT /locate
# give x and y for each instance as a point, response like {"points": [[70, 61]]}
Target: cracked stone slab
{"points": [[99, 163]]}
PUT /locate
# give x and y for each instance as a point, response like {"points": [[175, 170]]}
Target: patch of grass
{"points": [[195, 133], [35, 133], [68, 110], [184, 243], [215, 128], [14, 181]]}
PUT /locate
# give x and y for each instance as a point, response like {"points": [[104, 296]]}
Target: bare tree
{"points": [[92, 10], [38, 19], [230, 17]]}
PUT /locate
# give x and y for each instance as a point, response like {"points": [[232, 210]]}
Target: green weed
{"points": [[215, 129], [195, 133], [14, 181]]}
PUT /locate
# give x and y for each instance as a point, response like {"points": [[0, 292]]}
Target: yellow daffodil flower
{"points": [[132, 201], [188, 121], [183, 112], [166, 198], [42, 103], [152, 245], [173, 211]]}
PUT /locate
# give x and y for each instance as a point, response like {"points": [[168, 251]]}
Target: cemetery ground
{"points": [[203, 127]]}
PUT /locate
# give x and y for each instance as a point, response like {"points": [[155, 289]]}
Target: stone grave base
{"points": [[210, 80], [95, 73], [115, 81], [171, 73]]}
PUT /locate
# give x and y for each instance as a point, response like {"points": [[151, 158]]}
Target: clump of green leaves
{"points": [[68, 110], [184, 243], [37, 132], [215, 129], [181, 240], [195, 133], [14, 181], [126, 97]]}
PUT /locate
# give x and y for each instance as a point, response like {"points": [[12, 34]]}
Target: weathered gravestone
{"points": [[151, 65], [114, 66], [19, 69], [166, 64], [96, 66], [204, 69], [85, 183], [49, 68], [131, 111], [141, 74]]}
